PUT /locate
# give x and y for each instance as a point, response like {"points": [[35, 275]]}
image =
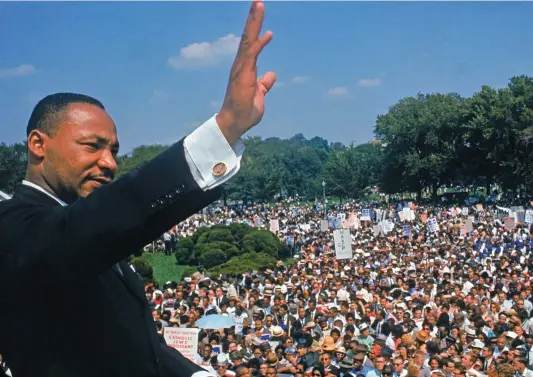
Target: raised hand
{"points": [[244, 103]]}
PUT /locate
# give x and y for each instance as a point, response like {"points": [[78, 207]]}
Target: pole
{"points": [[324, 199]]}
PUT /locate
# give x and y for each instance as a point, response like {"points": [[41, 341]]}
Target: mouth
{"points": [[102, 181]]}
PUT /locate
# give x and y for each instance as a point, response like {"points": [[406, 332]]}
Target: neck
{"points": [[39, 180]]}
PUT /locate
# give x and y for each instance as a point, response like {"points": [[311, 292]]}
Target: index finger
{"points": [[254, 23]]}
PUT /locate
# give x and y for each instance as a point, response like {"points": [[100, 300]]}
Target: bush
{"points": [[213, 246], [212, 257], [143, 268], [186, 257], [244, 263], [229, 249], [239, 230], [185, 243], [216, 234], [261, 241]]}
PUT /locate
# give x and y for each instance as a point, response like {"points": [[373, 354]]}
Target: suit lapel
{"points": [[38, 197], [131, 280]]}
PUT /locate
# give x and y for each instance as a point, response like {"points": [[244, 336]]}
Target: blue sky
{"points": [[339, 64]]}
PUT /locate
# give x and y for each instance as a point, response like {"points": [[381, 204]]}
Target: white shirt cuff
{"points": [[206, 147]]}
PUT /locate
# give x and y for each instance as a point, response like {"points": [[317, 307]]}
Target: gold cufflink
{"points": [[219, 169]]}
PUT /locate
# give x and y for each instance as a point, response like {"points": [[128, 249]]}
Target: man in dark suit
{"points": [[67, 230]]}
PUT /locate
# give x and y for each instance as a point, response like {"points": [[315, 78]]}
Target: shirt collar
{"points": [[37, 187]]}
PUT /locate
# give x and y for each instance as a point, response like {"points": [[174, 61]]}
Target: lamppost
{"points": [[324, 195]]}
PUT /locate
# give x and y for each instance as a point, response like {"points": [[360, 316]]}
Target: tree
{"points": [[13, 161], [348, 173], [420, 136], [139, 156]]}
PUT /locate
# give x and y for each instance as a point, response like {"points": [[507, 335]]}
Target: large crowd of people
{"points": [[448, 295]]}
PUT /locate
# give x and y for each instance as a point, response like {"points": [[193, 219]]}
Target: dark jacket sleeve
{"points": [[83, 239]]}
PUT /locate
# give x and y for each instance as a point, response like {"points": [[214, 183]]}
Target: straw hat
{"points": [[329, 344]]}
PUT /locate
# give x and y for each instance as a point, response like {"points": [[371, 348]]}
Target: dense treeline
{"points": [[422, 143]]}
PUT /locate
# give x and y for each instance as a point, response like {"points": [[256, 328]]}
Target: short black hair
{"points": [[46, 114]]}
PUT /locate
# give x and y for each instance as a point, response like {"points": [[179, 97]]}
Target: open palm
{"points": [[244, 103]]}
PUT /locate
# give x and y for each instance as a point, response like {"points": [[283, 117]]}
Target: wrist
{"points": [[226, 123]]}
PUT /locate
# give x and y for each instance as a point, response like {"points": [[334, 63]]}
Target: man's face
{"points": [[398, 365], [80, 155], [380, 363], [358, 362], [466, 361]]}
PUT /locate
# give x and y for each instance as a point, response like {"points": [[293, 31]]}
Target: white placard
{"points": [[529, 216], [433, 225], [343, 244], [274, 225], [185, 340], [365, 215], [324, 225], [469, 225]]}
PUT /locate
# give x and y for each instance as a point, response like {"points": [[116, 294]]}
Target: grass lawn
{"points": [[165, 267]]}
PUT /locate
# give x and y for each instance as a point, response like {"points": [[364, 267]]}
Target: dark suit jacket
{"points": [[86, 319]]}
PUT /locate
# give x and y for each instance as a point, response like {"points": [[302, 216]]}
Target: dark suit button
{"points": [[162, 201], [172, 195], [155, 205]]}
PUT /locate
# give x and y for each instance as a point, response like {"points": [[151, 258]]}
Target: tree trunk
{"points": [[225, 197], [488, 182], [419, 194], [434, 190]]}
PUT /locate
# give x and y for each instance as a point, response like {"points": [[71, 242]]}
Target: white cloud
{"points": [[206, 54], [21, 70], [337, 92], [215, 103], [368, 83], [158, 96], [300, 79]]}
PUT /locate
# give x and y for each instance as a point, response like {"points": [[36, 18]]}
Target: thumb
{"points": [[266, 82]]}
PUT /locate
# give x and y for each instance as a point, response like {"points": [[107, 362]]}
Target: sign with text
{"points": [[365, 215], [529, 216], [343, 244], [433, 225], [183, 339]]}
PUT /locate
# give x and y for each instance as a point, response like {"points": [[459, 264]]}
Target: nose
{"points": [[107, 162]]}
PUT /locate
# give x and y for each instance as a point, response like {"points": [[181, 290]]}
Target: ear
{"points": [[36, 141]]}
